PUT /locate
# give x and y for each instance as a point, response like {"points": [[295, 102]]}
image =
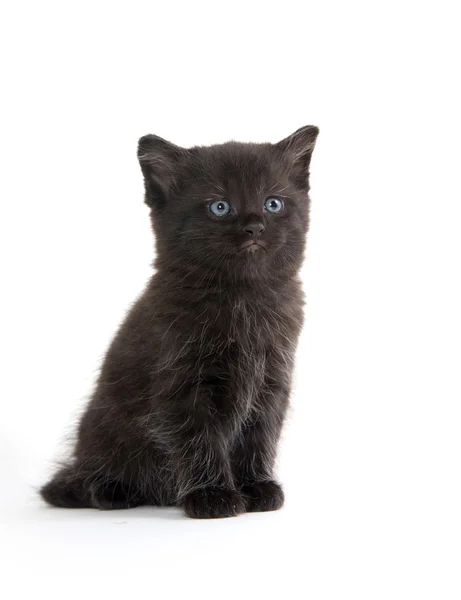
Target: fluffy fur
{"points": [[193, 391]]}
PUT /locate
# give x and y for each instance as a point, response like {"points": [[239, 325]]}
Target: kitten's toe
{"points": [[213, 503], [263, 496]]}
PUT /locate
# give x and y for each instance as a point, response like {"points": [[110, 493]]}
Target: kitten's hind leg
{"points": [[66, 490]]}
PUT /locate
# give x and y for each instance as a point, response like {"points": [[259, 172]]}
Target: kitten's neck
{"points": [[201, 280]]}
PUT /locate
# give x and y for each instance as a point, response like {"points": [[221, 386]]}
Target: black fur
{"points": [[194, 388]]}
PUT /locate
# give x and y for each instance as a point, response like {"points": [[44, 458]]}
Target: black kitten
{"points": [[194, 388]]}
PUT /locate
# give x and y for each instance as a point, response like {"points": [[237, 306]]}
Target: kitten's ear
{"points": [[297, 150], [159, 161]]}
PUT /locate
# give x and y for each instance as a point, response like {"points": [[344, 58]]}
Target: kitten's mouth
{"points": [[252, 246]]}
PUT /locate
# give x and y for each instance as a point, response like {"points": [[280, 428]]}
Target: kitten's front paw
{"points": [[213, 503], [263, 496]]}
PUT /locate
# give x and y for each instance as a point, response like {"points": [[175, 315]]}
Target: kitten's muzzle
{"points": [[252, 245]]}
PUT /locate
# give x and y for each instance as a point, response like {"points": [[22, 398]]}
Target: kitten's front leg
{"points": [[206, 484], [254, 456], [200, 459], [253, 461]]}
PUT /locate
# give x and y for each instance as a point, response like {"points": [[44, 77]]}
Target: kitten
{"points": [[192, 394]]}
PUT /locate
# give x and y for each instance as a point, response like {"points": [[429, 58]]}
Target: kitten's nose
{"points": [[254, 228]]}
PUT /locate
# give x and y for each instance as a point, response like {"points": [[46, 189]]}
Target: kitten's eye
{"points": [[273, 204], [220, 208]]}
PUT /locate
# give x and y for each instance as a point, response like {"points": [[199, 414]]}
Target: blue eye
{"points": [[273, 204], [220, 208]]}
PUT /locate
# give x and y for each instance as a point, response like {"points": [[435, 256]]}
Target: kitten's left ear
{"points": [[296, 151], [159, 160]]}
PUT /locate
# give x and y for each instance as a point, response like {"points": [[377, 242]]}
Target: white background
{"points": [[371, 454]]}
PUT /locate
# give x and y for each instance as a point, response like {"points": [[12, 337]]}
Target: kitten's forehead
{"points": [[236, 166]]}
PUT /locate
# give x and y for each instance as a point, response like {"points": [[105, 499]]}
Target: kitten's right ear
{"points": [[159, 160]]}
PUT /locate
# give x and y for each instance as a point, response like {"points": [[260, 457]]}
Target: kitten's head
{"points": [[235, 208]]}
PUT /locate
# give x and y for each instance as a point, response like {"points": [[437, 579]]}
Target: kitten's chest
{"points": [[263, 340], [254, 324]]}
